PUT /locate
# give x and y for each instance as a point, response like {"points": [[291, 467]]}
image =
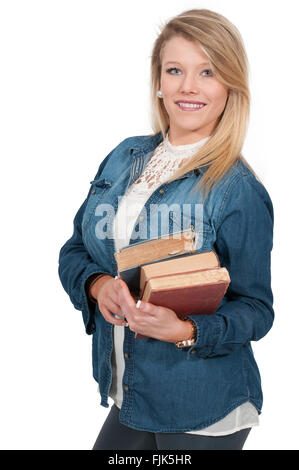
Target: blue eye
{"points": [[172, 68], [175, 68]]}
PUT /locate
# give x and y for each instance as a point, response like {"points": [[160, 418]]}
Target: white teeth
{"points": [[191, 105]]}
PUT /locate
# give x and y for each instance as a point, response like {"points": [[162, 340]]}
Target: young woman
{"points": [[191, 384]]}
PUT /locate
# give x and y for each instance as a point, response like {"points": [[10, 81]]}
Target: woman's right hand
{"points": [[104, 290]]}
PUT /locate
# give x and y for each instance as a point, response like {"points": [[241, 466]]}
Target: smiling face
{"points": [[186, 75]]}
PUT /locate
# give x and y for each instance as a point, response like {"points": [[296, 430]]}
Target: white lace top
{"points": [[163, 163]]}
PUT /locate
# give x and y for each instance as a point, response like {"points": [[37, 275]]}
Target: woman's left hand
{"points": [[149, 319]]}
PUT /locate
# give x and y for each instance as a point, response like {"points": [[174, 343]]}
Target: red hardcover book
{"points": [[194, 285]]}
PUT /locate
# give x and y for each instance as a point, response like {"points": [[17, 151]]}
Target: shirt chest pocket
{"points": [[183, 221], [98, 189]]}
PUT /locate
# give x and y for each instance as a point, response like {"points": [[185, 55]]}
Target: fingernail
{"points": [[138, 303], [116, 277]]}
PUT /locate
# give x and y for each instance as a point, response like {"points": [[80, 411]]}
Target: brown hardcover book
{"points": [[156, 248], [194, 262], [130, 258], [192, 285]]}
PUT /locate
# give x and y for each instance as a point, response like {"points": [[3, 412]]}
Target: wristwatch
{"points": [[188, 342]]}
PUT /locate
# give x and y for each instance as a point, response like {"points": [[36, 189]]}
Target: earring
{"points": [[159, 93]]}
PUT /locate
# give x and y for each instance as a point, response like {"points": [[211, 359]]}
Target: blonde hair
{"points": [[221, 41]]}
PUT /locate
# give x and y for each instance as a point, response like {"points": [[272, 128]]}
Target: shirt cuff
{"points": [[89, 304], [89, 282], [208, 330]]}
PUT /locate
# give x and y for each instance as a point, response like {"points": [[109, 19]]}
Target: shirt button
{"points": [[126, 388], [126, 355], [93, 192], [141, 218], [161, 191]]}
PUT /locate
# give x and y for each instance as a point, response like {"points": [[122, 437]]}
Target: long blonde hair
{"points": [[221, 41]]}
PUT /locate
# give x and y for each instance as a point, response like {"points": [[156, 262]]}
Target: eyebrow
{"points": [[174, 62]]}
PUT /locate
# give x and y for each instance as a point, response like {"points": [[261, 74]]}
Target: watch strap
{"points": [[190, 341]]}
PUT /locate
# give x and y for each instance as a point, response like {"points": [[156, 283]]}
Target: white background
{"points": [[74, 82]]}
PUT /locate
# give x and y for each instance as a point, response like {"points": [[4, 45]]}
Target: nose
{"points": [[189, 84]]}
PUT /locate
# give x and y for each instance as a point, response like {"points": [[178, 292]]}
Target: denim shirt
{"points": [[167, 389]]}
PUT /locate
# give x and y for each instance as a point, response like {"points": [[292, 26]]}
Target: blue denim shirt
{"points": [[166, 389]]}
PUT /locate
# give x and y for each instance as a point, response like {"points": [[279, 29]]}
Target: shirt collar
{"points": [[148, 143]]}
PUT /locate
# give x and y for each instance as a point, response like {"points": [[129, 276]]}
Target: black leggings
{"points": [[115, 436]]}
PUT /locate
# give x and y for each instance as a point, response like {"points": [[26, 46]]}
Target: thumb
{"points": [[145, 306]]}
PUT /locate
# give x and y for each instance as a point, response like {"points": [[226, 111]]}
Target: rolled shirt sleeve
{"points": [[244, 240]]}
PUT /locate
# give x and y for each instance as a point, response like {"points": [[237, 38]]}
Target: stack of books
{"points": [[169, 272]]}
